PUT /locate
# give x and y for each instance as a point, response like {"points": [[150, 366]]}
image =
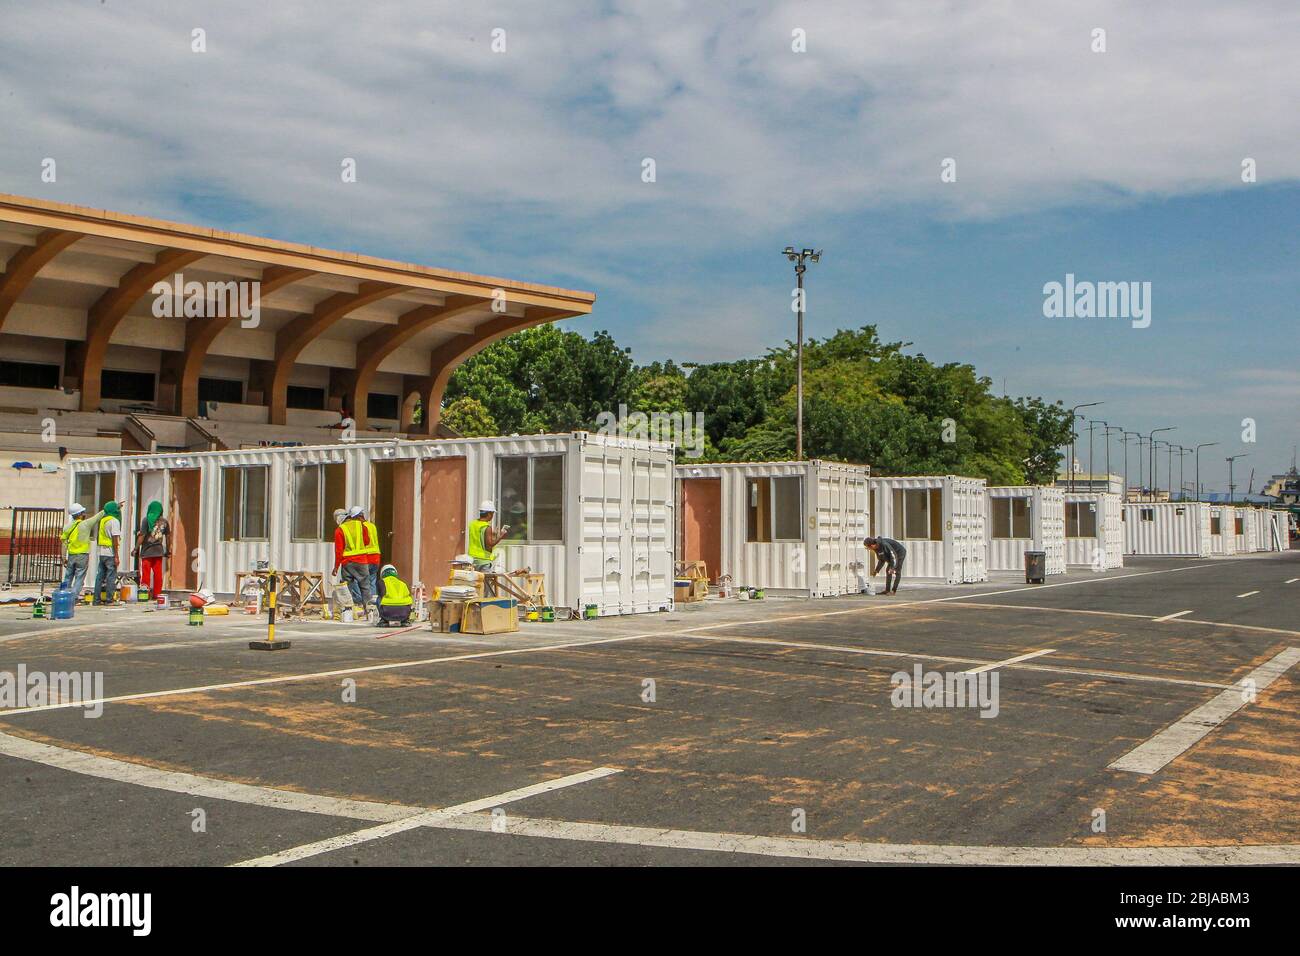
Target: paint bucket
{"points": [[757, 594], [127, 592], [164, 602], [38, 610], [591, 612], [532, 615], [196, 617], [548, 614], [347, 615], [142, 595]]}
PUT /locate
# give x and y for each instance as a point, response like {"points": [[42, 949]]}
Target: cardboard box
{"points": [[445, 616], [491, 616], [685, 591]]}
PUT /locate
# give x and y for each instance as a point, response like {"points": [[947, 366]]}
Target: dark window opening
{"points": [[382, 406], [301, 396], [221, 390], [29, 375], [127, 386]]}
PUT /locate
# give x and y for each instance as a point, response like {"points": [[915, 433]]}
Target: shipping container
{"points": [[1223, 536], [1025, 518], [593, 513], [940, 519], [1168, 528], [789, 527], [1094, 531], [1278, 531]]}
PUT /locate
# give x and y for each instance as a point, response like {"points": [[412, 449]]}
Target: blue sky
{"points": [[1115, 165]]}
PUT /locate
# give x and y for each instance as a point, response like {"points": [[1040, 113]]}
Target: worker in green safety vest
{"points": [[76, 548], [483, 539], [395, 602]]}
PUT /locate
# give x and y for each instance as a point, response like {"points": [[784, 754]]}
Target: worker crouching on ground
{"points": [[395, 601], [108, 540], [356, 557], [890, 555]]}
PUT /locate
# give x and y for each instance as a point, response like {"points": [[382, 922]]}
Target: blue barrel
{"points": [[65, 603]]}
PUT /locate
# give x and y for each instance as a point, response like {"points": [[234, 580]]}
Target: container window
{"points": [[787, 509], [1216, 524], [1080, 519], [317, 493], [1239, 526], [530, 494], [1148, 514], [1010, 517], [918, 514], [244, 503], [758, 511]]}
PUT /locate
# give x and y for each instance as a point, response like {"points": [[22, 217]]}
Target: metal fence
{"points": [[35, 548]]}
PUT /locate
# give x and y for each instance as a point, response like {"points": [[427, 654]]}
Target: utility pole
{"points": [[1073, 435], [1152, 444], [1232, 488], [798, 258], [1124, 442], [1109, 429]]}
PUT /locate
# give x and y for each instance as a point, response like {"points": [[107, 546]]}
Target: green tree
{"points": [[468, 416]]}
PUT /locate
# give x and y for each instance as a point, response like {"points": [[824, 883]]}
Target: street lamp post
{"points": [[1073, 436], [1124, 441], [1092, 470], [1109, 429], [1182, 472], [798, 258], [1204, 444], [1152, 444], [1231, 486]]}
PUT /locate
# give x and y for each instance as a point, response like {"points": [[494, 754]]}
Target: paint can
{"points": [[548, 614], [164, 602], [196, 617], [591, 612], [142, 595], [532, 615]]}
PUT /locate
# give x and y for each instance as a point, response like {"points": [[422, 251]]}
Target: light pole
{"points": [[798, 259], [1092, 471], [1204, 444], [1124, 442], [1182, 463], [1152, 443], [1109, 429], [1073, 436], [1232, 487]]}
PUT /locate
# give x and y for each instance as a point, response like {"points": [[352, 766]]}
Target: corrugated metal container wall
{"points": [[828, 556], [1046, 528], [1174, 528], [951, 545], [617, 550], [1105, 550], [1222, 539]]}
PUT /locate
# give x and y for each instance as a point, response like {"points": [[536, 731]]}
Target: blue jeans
{"points": [[357, 578], [74, 574], [106, 580], [374, 583]]}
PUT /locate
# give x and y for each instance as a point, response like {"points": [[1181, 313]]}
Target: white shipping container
{"points": [[593, 513], [940, 519], [1277, 531], [1223, 537], [1167, 528], [1101, 514], [1033, 519], [792, 527]]}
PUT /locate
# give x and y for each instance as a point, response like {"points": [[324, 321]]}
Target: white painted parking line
{"points": [[1151, 755], [1170, 617], [108, 768], [1292, 580], [1010, 660], [1247, 594], [430, 818]]}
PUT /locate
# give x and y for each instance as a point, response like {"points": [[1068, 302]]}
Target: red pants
{"points": [[151, 575]]}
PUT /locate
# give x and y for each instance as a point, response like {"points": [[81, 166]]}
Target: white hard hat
{"points": [[77, 509], [487, 505], [355, 511]]}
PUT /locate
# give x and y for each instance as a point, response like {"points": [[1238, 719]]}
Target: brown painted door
{"points": [[184, 511], [442, 511], [702, 523]]}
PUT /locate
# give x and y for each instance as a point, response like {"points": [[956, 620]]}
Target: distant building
{"points": [[1113, 484]]}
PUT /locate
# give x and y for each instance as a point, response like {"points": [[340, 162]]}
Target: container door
{"points": [[648, 540], [602, 556], [855, 531]]}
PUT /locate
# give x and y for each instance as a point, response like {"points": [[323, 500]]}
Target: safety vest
{"points": [[105, 541], [354, 544], [395, 591], [478, 529], [76, 544]]}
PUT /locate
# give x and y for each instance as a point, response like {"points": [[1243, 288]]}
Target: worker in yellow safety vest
{"points": [[483, 539], [395, 602], [108, 540], [356, 557], [76, 548]]}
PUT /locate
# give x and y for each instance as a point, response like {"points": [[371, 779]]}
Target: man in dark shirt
{"points": [[889, 555]]}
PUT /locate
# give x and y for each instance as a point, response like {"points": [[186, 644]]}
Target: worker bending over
{"points": [[356, 557], [395, 600], [889, 555]]}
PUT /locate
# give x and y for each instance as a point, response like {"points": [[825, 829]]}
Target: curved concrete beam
{"points": [[378, 345], [201, 333], [294, 337], [107, 313], [27, 262], [447, 357]]}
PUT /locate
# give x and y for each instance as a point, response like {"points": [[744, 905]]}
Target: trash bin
{"points": [[1035, 567]]}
